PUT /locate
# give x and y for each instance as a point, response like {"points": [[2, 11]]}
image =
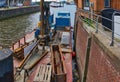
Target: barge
{"points": [[35, 60]]}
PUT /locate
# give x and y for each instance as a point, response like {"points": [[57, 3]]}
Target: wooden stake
{"points": [[87, 60]]}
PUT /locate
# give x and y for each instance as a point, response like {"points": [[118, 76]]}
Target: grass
{"points": [[117, 39], [89, 22]]}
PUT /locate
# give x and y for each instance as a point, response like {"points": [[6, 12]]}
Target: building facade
{"points": [[98, 5], [7, 3]]}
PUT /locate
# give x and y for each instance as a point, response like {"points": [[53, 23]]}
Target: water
{"points": [[12, 29]]}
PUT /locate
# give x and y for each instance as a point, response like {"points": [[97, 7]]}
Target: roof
{"points": [[5, 53]]}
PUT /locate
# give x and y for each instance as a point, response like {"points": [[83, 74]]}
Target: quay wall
{"points": [[7, 13], [104, 60], [81, 45]]}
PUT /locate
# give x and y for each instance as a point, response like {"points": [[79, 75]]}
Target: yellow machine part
{"points": [[39, 24], [17, 50], [20, 48]]}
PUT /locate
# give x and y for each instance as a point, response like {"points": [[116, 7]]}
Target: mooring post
{"points": [[86, 60], [75, 31]]}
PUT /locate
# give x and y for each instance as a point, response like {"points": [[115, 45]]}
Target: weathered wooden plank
{"points": [[59, 70], [49, 73], [46, 72], [40, 72], [28, 56], [67, 50], [58, 63], [43, 73], [37, 75], [37, 60], [21, 77]]}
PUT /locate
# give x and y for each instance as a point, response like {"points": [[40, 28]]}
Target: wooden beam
{"points": [[86, 60], [33, 65], [27, 57], [59, 68]]}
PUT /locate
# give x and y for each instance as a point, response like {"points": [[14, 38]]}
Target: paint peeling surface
{"points": [[68, 62]]}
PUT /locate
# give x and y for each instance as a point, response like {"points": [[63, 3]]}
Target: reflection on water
{"points": [[13, 29]]}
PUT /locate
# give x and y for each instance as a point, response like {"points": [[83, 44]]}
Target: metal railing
{"points": [[94, 20]]}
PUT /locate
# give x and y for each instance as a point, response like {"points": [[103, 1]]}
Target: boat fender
{"points": [[73, 54]]}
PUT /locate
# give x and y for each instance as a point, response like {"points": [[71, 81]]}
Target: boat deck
{"points": [[35, 60]]}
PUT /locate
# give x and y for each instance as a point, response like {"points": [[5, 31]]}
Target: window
{"points": [[86, 4], [107, 3]]}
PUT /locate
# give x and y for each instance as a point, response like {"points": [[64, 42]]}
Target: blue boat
{"points": [[62, 20]]}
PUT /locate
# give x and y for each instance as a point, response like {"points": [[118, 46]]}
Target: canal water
{"points": [[12, 29]]}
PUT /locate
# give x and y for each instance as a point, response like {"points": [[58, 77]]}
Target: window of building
{"points": [[107, 3], [86, 4]]}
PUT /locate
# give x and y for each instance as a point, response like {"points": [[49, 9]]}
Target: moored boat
{"points": [[56, 4], [33, 57]]}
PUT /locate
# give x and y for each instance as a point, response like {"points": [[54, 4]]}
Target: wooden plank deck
{"points": [[45, 60], [43, 73]]}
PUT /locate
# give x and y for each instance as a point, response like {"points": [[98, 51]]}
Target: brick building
{"points": [[98, 5]]}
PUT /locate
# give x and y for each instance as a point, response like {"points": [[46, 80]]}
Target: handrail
{"points": [[97, 15], [84, 14]]}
